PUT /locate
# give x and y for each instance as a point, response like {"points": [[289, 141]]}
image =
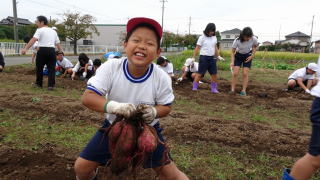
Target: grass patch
{"points": [[36, 133]]}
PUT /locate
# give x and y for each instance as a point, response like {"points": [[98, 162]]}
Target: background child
{"points": [[207, 45], [64, 65], [128, 82], [96, 65], [165, 65], [242, 54], [1, 62], [303, 77], [189, 70], [83, 68]]}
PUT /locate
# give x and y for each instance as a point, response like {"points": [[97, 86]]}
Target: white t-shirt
{"points": [[114, 81], [168, 69], [301, 73], [246, 46], [47, 37], [77, 66], [208, 45], [65, 63], [194, 68], [316, 90]]}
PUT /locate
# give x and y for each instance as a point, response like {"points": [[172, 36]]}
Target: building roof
{"points": [[9, 21], [318, 41], [297, 34], [232, 31], [267, 42]]}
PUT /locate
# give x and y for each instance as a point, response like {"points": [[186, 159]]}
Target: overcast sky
{"points": [[267, 18]]}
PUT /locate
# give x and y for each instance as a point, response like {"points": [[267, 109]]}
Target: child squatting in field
{"points": [[128, 82], [303, 78], [305, 167]]}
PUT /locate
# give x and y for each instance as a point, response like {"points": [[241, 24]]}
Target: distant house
{"points": [[9, 21], [267, 43], [297, 41], [109, 34], [298, 35], [227, 38], [317, 46]]}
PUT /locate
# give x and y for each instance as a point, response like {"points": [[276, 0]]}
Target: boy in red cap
{"points": [[121, 84]]}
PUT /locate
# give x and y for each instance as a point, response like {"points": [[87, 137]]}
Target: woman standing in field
{"points": [[207, 45], [242, 54]]}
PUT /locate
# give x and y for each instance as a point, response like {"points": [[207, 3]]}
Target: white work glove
{"points": [[221, 58], [84, 74], [149, 114], [308, 91], [179, 79], [122, 109]]}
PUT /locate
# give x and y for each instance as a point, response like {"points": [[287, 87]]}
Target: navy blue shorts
{"points": [[240, 60], [97, 149], [314, 146], [207, 63]]}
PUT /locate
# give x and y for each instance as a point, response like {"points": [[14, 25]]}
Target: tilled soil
{"points": [[255, 137]]}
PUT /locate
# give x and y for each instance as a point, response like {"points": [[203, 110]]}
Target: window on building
{"points": [[227, 36]]}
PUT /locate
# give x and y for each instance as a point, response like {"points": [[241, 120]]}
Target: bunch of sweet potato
{"points": [[130, 142]]}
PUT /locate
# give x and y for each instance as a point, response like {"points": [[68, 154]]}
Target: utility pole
{"points": [[311, 32], [189, 24], [279, 33], [163, 1], [15, 21]]}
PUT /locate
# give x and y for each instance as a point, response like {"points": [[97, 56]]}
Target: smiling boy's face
{"points": [[142, 47]]}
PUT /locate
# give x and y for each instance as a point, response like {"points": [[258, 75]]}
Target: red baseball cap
{"points": [[132, 23]]}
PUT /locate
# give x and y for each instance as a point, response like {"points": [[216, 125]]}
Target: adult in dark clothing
{"points": [[47, 40]]}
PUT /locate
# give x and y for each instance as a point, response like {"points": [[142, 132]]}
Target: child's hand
{"points": [[72, 76], [149, 113], [123, 109], [248, 59]]}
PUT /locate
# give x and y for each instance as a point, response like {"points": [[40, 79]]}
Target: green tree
{"points": [[77, 26]]}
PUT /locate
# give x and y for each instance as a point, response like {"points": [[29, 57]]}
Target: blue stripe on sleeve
{"points": [[94, 90]]}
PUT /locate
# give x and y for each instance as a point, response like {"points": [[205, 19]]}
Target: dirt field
{"points": [[206, 132]]}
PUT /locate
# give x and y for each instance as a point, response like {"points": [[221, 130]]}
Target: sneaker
{"points": [[50, 88], [242, 93]]}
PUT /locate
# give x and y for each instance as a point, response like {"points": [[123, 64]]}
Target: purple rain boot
{"points": [[195, 86], [214, 87]]}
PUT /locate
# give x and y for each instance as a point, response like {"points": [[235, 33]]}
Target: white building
{"points": [[109, 34], [227, 38]]}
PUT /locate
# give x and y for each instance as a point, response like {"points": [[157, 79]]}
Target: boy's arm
{"points": [[93, 101], [162, 111], [309, 84], [216, 52]]}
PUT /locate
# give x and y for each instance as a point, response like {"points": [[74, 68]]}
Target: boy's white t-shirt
{"points": [[47, 37], [301, 73], [65, 63], [208, 45], [194, 68], [168, 69], [246, 46], [316, 90], [114, 81], [77, 66]]}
